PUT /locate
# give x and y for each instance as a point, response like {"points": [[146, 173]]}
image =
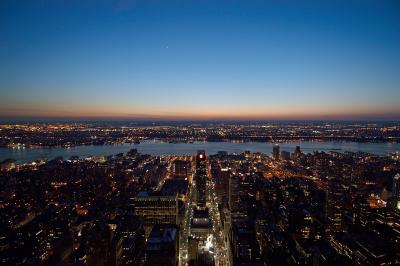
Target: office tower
{"points": [[181, 168], [234, 197], [156, 208], [222, 176], [175, 186], [162, 246], [128, 241], [306, 224], [201, 178], [98, 244], [276, 152], [180, 188], [244, 245], [200, 231], [297, 150], [371, 249], [200, 224], [334, 207], [285, 155], [396, 191], [296, 155], [246, 187]]}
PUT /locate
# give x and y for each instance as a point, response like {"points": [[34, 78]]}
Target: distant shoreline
{"points": [[158, 147], [66, 146]]}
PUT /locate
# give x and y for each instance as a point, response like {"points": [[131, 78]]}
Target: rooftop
{"points": [[162, 236], [172, 187]]}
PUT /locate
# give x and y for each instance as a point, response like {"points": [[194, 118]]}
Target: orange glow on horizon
{"points": [[180, 113], [224, 111]]}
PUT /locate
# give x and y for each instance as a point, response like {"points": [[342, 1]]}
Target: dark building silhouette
{"points": [[181, 168], [276, 152], [128, 241], [234, 193], [162, 246], [396, 191]]}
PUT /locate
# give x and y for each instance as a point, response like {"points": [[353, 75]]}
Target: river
{"points": [[154, 147]]}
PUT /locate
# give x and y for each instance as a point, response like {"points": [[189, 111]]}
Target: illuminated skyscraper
{"points": [[276, 152], [156, 208], [334, 206], [201, 178]]}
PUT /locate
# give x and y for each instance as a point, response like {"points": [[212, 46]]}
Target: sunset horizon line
{"points": [[166, 118]]}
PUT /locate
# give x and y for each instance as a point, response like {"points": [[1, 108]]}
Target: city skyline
{"points": [[192, 60], [199, 132]]}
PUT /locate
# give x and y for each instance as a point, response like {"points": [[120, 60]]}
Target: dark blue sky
{"points": [[200, 59]]}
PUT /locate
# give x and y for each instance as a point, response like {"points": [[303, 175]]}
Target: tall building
{"points": [[181, 168], [98, 244], [276, 152], [179, 187], [234, 196], [244, 245], [200, 224], [396, 191], [334, 207], [221, 177], [176, 186], [156, 208], [297, 150], [297, 153], [285, 155], [128, 241], [200, 231], [162, 246], [201, 178]]}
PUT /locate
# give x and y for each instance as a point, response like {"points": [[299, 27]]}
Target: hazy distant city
{"points": [[72, 134]]}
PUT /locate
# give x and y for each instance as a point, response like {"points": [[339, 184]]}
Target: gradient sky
{"points": [[200, 59]]}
